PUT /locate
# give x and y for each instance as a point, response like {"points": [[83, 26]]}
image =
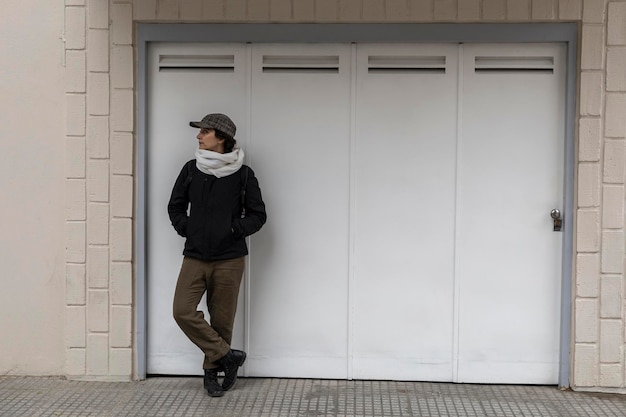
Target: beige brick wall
{"points": [[99, 149], [100, 127]]}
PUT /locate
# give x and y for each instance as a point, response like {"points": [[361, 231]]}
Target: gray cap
{"points": [[217, 121]]}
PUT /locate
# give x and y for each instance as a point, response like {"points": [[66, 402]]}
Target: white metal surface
{"points": [[177, 96], [300, 130], [408, 198], [510, 177], [404, 218]]}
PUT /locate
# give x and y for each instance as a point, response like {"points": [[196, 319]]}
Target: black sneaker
{"points": [[230, 364], [212, 387]]}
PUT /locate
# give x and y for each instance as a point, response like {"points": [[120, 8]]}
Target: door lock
{"points": [[556, 218]]}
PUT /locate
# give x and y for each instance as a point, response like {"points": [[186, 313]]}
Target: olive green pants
{"points": [[220, 280]]}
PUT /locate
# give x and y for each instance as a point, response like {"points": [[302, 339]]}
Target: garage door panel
{"points": [[510, 178], [404, 192], [170, 143], [300, 122]]}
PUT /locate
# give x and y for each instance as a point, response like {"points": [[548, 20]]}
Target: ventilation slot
{"points": [[204, 63], [406, 64], [511, 64], [301, 64]]}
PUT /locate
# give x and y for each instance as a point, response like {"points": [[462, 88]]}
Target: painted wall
{"points": [[32, 213], [98, 177]]}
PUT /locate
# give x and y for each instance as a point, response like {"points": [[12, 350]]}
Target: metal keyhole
{"points": [[556, 218]]}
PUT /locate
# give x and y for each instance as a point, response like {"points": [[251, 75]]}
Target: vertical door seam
{"points": [[457, 213]]}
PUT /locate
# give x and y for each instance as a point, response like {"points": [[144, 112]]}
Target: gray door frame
{"points": [[372, 33]]}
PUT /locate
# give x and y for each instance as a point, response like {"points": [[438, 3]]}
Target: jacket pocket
{"points": [[237, 229]]}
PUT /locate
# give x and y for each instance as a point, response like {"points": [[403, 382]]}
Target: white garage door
{"points": [[408, 189]]}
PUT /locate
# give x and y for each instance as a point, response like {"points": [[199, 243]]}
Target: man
{"points": [[225, 206]]}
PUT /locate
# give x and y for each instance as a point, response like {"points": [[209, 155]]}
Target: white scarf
{"points": [[219, 164]]}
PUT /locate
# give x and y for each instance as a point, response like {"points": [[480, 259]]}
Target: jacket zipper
{"points": [[205, 208]]}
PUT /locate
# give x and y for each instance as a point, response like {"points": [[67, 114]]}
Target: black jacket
{"points": [[214, 228]]}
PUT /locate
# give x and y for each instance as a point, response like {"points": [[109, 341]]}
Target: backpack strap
{"points": [[189, 176]]}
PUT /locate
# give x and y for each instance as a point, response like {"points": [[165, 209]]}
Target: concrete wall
{"points": [[32, 220], [97, 178]]}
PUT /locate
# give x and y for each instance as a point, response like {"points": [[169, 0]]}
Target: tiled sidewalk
{"points": [[56, 397]]}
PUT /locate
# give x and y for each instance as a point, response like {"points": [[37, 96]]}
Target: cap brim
{"points": [[195, 124]]}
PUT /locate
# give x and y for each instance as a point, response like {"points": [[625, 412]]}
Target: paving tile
{"points": [[267, 397]]}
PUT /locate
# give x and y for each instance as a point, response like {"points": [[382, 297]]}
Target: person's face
{"points": [[208, 141]]}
